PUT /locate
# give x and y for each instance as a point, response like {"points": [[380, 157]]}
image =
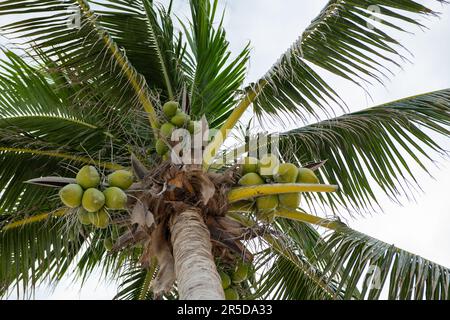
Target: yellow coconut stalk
{"points": [[243, 193]]}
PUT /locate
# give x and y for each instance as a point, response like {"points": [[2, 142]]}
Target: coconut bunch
{"points": [[174, 119], [235, 279], [93, 200], [269, 170]]}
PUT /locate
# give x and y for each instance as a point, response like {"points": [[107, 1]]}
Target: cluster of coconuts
{"points": [[93, 203], [175, 118], [232, 280], [268, 169]]}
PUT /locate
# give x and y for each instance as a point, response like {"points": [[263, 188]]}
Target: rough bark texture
{"points": [[195, 270]]}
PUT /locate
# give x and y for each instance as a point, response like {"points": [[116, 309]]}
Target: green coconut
{"points": [[180, 119], [251, 179], [71, 195], [194, 127], [115, 198], [166, 156], [290, 200], [267, 203], [240, 274], [100, 219], [249, 165], [306, 175], [108, 243], [166, 130], [122, 179], [88, 177], [231, 294], [83, 216], [225, 279], [267, 165], [161, 147], [93, 200], [286, 173], [170, 108]]}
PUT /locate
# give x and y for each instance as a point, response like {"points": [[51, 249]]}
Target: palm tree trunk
{"points": [[195, 270]]}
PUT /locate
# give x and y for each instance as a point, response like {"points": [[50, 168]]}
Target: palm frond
{"points": [[215, 76], [372, 147], [286, 269], [342, 40], [136, 283], [147, 35], [36, 253], [86, 54], [375, 266], [351, 40]]}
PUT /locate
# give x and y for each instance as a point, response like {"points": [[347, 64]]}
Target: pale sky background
{"points": [[423, 226]]}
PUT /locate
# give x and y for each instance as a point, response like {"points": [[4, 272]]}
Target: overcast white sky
{"points": [[422, 227]]}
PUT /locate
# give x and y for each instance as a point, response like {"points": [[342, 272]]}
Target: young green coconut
{"points": [[251, 179], [93, 200], [88, 177], [170, 108], [83, 216], [286, 173], [71, 195], [108, 243], [100, 219], [225, 279], [115, 198], [306, 175], [267, 203], [122, 179], [231, 294], [166, 130], [180, 119], [241, 273], [267, 165], [289, 200]]}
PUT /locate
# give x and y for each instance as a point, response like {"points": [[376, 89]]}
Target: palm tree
{"points": [[85, 84]]}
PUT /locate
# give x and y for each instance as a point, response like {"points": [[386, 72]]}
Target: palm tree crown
{"points": [[87, 84]]}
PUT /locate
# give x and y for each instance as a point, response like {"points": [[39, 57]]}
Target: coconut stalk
{"points": [[195, 270], [243, 193]]}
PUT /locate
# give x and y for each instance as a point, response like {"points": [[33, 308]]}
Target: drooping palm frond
{"points": [[147, 35], [372, 147], [36, 253], [136, 283], [343, 40], [350, 38], [285, 268], [376, 266], [215, 76], [107, 82]]}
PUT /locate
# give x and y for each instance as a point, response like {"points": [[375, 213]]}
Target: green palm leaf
{"points": [[147, 36], [342, 40], [285, 268], [88, 56], [215, 77], [373, 264], [372, 146], [36, 253]]}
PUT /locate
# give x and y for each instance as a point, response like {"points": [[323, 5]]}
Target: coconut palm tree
{"points": [[86, 82]]}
